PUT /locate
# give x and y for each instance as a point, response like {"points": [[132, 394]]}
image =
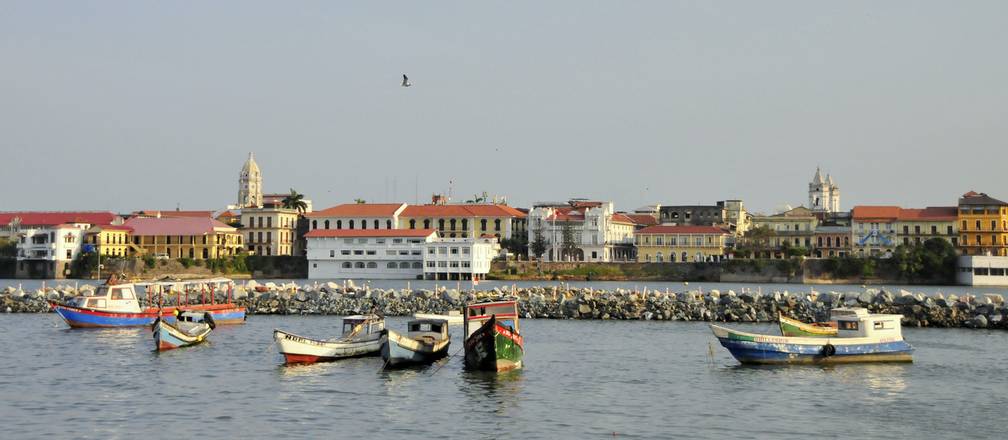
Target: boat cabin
{"points": [[362, 324], [114, 298], [856, 322], [436, 329], [505, 312]]}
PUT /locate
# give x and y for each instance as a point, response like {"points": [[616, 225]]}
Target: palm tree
{"points": [[360, 201], [295, 201]]}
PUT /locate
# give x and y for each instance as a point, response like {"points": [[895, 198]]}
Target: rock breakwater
{"points": [[918, 310]]}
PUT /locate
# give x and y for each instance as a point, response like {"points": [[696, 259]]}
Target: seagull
{"points": [[405, 81]]}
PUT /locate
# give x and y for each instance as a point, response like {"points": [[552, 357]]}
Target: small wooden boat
{"points": [[190, 328], [794, 327], [861, 337], [493, 341], [362, 336], [426, 341], [454, 317]]}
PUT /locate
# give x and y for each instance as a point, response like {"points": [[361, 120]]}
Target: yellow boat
{"points": [[794, 327]]}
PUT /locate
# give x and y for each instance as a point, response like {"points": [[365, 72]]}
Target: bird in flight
{"points": [[405, 81]]}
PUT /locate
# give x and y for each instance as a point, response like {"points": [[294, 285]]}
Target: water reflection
{"points": [[493, 392], [887, 381], [117, 338]]}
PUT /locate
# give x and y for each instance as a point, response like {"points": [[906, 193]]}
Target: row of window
{"points": [[452, 264], [677, 240], [451, 224], [285, 222], [979, 240], [374, 265], [979, 226], [285, 237]]}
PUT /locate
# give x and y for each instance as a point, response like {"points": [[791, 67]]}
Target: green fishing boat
{"points": [[493, 341]]}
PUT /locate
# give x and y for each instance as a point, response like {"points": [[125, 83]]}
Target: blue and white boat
{"points": [[426, 341], [861, 337], [189, 328]]}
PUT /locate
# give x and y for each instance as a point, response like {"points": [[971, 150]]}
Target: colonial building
{"points": [[983, 225], [110, 240], [582, 231], [459, 258], [271, 230], [831, 240], [48, 251], [250, 192], [367, 254], [351, 216], [672, 244], [185, 237], [915, 226], [466, 220], [824, 195], [693, 215], [793, 228], [11, 223], [873, 230]]}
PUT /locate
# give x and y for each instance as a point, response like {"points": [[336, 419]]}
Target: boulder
{"points": [[979, 321], [865, 297], [994, 298]]}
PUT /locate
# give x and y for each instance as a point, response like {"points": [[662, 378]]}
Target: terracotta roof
{"points": [[642, 219], [461, 211], [973, 198], [49, 218], [931, 213], [146, 226], [370, 233], [114, 227], [875, 212], [669, 229], [171, 213], [358, 210], [622, 218]]}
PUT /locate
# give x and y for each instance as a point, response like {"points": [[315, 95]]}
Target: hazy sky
{"points": [[143, 105]]}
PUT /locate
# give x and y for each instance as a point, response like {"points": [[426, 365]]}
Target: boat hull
{"points": [[301, 350], [77, 317], [401, 351], [750, 348], [494, 347], [167, 337]]}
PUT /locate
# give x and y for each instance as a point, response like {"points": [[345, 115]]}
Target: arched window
{"points": [[359, 264], [327, 224], [412, 223], [658, 257], [452, 224], [417, 265], [426, 223], [351, 224], [339, 224], [452, 235], [465, 224], [376, 224], [440, 223], [388, 224], [404, 265], [483, 224], [363, 224], [390, 265], [372, 265], [347, 265], [685, 257], [497, 224], [671, 257]]}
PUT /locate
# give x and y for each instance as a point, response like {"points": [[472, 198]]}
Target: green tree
{"points": [[294, 200], [755, 242], [359, 201], [538, 244], [569, 247]]}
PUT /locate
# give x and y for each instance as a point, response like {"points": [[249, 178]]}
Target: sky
{"points": [[155, 105]]}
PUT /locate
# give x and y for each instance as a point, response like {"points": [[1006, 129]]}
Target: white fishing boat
{"points": [[362, 336], [454, 317], [426, 341], [189, 328]]}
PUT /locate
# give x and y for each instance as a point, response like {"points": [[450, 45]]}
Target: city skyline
{"points": [[130, 107]]}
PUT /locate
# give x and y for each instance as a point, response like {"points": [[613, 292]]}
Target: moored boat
{"points": [[454, 317], [190, 328], [794, 327], [426, 341], [117, 304], [861, 337], [493, 340], [362, 336]]}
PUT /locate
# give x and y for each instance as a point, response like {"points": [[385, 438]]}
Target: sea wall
{"points": [[918, 310]]}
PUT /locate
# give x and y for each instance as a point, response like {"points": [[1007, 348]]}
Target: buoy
{"points": [[828, 350]]}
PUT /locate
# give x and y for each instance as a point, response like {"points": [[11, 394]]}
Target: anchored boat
{"points": [[116, 304], [861, 337], [426, 341], [190, 328], [794, 327], [362, 336], [493, 340]]}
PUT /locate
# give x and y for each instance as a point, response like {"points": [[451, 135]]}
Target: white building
{"points": [[582, 231], [981, 270], [367, 253], [357, 216], [459, 258], [48, 251], [824, 195]]}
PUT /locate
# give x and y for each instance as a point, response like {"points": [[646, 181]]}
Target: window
{"points": [[465, 224], [466, 264], [440, 224], [362, 240], [415, 252], [403, 252], [388, 224], [483, 224], [978, 225], [380, 241], [430, 264], [363, 224], [345, 252], [452, 224], [979, 240], [370, 252], [347, 265], [269, 222], [404, 265], [332, 254], [348, 240], [314, 224], [442, 264], [412, 224], [993, 225], [442, 250], [416, 265], [465, 251], [327, 224], [964, 225], [396, 241], [351, 224], [269, 236], [497, 224], [376, 224], [426, 223], [430, 251], [359, 265], [390, 265], [454, 251], [906, 229], [358, 252], [454, 264]]}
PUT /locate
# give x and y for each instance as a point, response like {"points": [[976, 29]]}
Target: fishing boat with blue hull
{"points": [[190, 328], [861, 337], [426, 341], [117, 304]]}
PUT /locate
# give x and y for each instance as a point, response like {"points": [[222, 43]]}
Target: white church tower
{"points": [[823, 194], [250, 184]]}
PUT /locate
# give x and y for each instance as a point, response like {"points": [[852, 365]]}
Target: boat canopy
{"points": [[857, 322]]}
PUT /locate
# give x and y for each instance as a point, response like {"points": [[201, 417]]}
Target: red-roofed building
{"points": [[669, 243], [466, 220], [185, 237], [915, 226], [47, 242], [582, 231], [357, 216], [11, 222], [156, 213], [874, 230], [983, 225]]}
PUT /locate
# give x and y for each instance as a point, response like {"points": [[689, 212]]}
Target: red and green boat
{"points": [[493, 341]]}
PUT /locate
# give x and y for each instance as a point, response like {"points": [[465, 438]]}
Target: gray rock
{"points": [[979, 321], [865, 297]]}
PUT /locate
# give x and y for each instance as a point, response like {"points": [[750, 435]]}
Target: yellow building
{"points": [[110, 240], [672, 244], [271, 230], [983, 225], [185, 237], [915, 226], [471, 220], [794, 228]]}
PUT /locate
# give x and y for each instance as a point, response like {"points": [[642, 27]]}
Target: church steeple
{"points": [[824, 194], [250, 184]]}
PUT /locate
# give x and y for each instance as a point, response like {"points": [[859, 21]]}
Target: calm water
{"points": [[583, 379]]}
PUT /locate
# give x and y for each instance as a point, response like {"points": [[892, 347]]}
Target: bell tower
{"points": [[250, 184]]}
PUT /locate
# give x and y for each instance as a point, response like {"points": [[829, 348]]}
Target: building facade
{"points": [[915, 226], [983, 225], [48, 251], [185, 237], [354, 216], [250, 191], [680, 244], [831, 241], [582, 231], [466, 220], [367, 253], [271, 230], [823, 194], [794, 228], [873, 230], [459, 258], [110, 240], [982, 270]]}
